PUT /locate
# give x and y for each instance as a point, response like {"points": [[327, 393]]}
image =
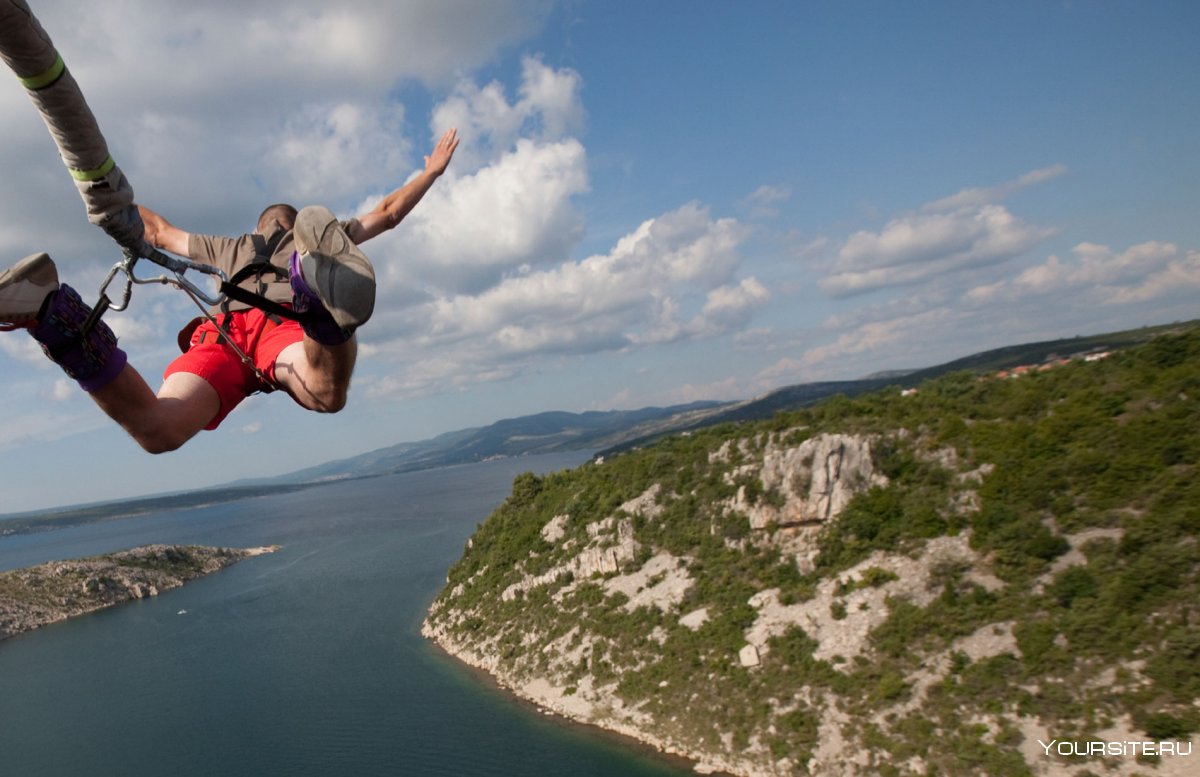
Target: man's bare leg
{"points": [[317, 376], [32, 298], [163, 422]]}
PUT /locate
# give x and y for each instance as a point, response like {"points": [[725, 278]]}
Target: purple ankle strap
{"points": [[93, 358], [318, 323], [303, 295]]}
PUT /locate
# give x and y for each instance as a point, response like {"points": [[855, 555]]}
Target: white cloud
{"points": [[921, 246], [1137, 274], [548, 109], [764, 201], [1098, 275], [64, 390], [328, 151], [550, 97], [1147, 283], [214, 48], [957, 233], [979, 196], [731, 305], [214, 109], [505, 202], [471, 230], [21, 347], [872, 337], [657, 261], [1180, 276], [670, 279]]}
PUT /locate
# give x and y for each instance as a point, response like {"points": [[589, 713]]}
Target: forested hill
{"points": [[898, 583], [994, 360]]}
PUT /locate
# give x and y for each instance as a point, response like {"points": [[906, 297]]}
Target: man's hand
{"points": [[439, 158], [394, 207]]}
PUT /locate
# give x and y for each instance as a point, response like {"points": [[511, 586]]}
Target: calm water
{"points": [[305, 662]]}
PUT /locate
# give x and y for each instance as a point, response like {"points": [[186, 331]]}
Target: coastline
{"points": [[37, 596], [577, 714], [626, 740]]}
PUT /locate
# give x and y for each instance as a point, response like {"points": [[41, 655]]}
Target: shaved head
{"points": [[282, 212]]}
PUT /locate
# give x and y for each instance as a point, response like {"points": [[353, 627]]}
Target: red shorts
{"points": [[259, 336]]}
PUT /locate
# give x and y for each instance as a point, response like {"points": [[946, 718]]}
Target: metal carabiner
{"points": [[179, 267], [125, 265], [104, 304]]}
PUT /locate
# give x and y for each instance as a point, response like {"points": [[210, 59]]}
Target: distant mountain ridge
{"points": [[549, 432], [558, 431], [617, 430]]}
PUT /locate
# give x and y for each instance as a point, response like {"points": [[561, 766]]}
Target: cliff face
{"points": [[982, 578], [781, 494], [814, 480], [37, 596]]}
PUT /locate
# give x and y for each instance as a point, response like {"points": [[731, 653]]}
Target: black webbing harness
{"points": [[233, 290], [258, 267]]}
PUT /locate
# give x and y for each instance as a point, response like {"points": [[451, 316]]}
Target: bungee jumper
{"points": [[292, 293]]}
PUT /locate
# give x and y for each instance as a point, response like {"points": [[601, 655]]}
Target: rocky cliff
{"points": [[782, 489], [37, 596], [982, 577]]}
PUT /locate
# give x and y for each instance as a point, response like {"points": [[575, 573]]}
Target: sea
{"points": [[307, 661]]}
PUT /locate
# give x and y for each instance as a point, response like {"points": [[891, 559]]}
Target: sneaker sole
{"points": [[23, 288], [334, 267]]}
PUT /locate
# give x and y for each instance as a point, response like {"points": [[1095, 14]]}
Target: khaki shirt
{"points": [[230, 254]]}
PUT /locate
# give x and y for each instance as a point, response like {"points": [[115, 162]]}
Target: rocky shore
{"points": [[51, 592], [550, 699]]}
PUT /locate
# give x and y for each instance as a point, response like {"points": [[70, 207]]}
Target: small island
{"points": [[51, 592]]}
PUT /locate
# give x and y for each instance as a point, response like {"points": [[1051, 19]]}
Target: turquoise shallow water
{"points": [[308, 661]]}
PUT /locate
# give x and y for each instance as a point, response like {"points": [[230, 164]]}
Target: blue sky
{"points": [[653, 202]]}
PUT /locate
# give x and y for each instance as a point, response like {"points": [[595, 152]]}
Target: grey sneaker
{"points": [[23, 289], [338, 273]]}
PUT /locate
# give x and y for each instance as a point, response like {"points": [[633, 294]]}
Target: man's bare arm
{"points": [[394, 207], [161, 233]]}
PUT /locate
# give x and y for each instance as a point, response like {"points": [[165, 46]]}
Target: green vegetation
{"points": [[1077, 489]]}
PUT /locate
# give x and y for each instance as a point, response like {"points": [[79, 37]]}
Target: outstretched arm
{"points": [[394, 207], [161, 233]]}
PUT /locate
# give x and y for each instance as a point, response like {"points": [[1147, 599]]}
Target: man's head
{"points": [[280, 212]]}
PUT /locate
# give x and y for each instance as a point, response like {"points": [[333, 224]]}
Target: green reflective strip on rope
{"points": [[47, 77], [95, 174]]}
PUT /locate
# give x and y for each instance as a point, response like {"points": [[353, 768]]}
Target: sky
{"points": [[652, 203]]}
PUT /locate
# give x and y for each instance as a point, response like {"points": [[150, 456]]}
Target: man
{"points": [[304, 259]]}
